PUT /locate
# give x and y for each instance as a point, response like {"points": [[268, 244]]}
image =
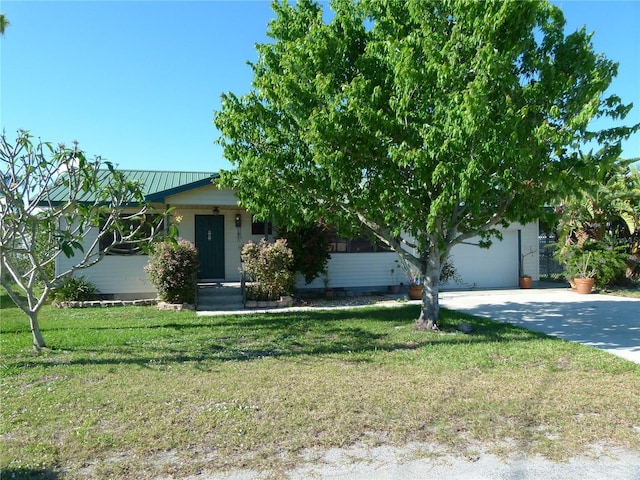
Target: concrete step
{"points": [[219, 296]]}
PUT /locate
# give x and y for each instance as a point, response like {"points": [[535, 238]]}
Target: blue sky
{"points": [[137, 82]]}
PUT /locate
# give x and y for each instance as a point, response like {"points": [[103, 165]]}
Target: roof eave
{"points": [[159, 197]]}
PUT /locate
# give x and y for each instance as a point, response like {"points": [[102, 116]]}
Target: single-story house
{"points": [[211, 218]]}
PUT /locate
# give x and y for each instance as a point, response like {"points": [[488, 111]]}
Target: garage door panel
{"points": [[487, 268]]}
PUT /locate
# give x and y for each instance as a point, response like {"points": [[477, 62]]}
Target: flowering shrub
{"points": [[173, 270], [269, 267]]}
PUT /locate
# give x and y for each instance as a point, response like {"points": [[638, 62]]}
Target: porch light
{"points": [[216, 211], [238, 220]]}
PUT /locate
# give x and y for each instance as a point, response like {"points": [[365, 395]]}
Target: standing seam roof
{"points": [[153, 182]]}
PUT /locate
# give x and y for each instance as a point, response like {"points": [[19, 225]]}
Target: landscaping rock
{"points": [[176, 306], [105, 303]]}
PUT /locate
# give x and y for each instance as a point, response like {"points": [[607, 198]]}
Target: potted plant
{"points": [[585, 273], [524, 280], [567, 256], [413, 277], [594, 263]]}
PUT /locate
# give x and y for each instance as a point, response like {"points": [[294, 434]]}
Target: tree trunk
{"points": [[38, 340], [30, 310], [428, 319]]}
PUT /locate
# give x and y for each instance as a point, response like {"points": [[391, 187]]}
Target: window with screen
{"points": [[150, 224]]}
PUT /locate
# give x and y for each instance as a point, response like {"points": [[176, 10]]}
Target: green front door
{"points": [[210, 245]]}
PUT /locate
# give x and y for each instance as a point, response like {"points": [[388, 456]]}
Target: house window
{"points": [[355, 245], [150, 224], [260, 227]]}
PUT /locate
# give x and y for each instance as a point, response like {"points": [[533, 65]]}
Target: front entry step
{"points": [[219, 296]]}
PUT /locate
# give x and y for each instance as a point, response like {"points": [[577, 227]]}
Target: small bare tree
{"points": [[50, 198]]}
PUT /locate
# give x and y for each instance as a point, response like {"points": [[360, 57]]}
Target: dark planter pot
{"points": [[394, 288], [415, 292]]}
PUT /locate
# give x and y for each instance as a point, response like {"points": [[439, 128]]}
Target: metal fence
{"points": [[550, 268]]}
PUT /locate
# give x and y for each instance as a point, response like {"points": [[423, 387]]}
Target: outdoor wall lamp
{"points": [[216, 211], [238, 220]]}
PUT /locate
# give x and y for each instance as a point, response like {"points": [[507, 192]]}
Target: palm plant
{"points": [[604, 217]]}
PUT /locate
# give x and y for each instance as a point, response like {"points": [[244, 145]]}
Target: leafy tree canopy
{"points": [[427, 123]]}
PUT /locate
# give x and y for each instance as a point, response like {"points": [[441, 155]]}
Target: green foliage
{"points": [[52, 196], [595, 259], [598, 225], [4, 23], [173, 271], [270, 267], [425, 123], [74, 289], [310, 248]]}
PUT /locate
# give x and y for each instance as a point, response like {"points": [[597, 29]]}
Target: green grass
{"points": [[133, 392], [632, 292]]}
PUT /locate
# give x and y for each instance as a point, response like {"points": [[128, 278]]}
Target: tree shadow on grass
{"points": [[29, 474], [288, 334]]}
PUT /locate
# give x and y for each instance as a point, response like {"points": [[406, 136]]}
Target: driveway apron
{"points": [[602, 321]]}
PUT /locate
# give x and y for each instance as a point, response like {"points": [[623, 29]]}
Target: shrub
{"points": [[74, 289], [270, 267], [599, 260], [173, 270], [310, 247]]}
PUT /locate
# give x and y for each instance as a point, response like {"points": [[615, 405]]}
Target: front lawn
{"points": [[136, 393]]}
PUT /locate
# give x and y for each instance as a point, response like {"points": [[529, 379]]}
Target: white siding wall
{"points": [[476, 267], [122, 276], [357, 270]]}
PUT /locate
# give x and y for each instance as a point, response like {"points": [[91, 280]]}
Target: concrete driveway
{"points": [[603, 321]]}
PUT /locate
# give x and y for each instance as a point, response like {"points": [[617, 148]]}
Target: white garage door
{"points": [[487, 268]]}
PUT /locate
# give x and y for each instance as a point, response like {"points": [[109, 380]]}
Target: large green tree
{"points": [[428, 124]]}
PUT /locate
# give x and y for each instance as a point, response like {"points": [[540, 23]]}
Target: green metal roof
{"points": [[156, 185]]}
